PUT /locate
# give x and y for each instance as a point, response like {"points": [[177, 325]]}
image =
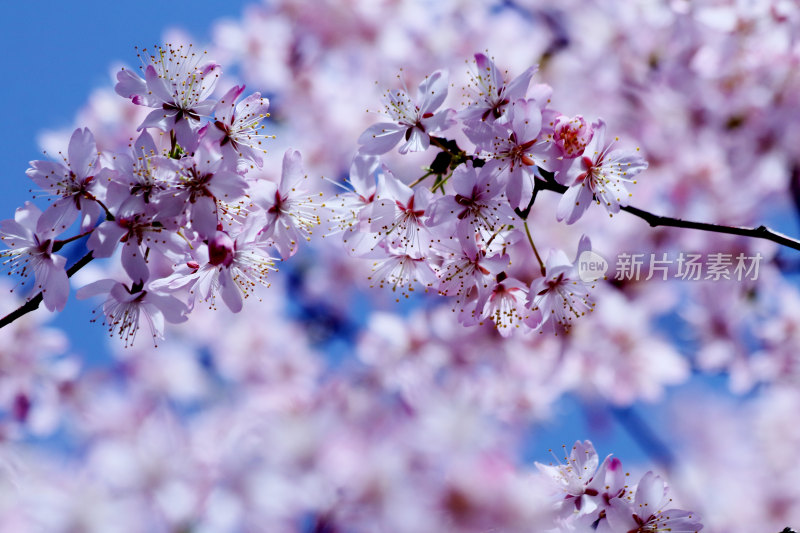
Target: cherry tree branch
{"points": [[760, 232], [458, 156], [57, 245], [33, 303]]}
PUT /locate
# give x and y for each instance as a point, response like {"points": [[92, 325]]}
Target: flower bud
{"points": [[571, 135]]}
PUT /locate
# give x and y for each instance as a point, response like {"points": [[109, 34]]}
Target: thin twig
{"points": [[421, 179], [57, 245], [761, 232], [523, 213], [549, 184], [33, 303], [535, 251]]}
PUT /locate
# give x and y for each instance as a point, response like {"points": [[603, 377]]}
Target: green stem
{"points": [[535, 251], [440, 183], [420, 180]]}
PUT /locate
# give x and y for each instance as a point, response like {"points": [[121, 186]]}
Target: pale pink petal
{"points": [[134, 262], [82, 152], [58, 217], [380, 138]]}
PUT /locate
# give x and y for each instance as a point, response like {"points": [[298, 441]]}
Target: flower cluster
{"points": [[453, 235], [599, 498], [183, 209]]}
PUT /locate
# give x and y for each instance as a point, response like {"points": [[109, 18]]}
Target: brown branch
{"points": [[57, 245], [33, 303], [550, 184], [761, 232]]}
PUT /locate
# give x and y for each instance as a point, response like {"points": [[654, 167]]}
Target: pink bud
{"points": [[571, 135]]}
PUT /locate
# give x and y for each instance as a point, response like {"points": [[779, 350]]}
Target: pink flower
{"points": [[517, 148], [587, 488], [126, 308], [236, 129], [177, 82], [478, 203], [400, 215], [141, 234], [502, 302], [467, 265], [289, 205], [413, 121], [646, 513], [571, 135], [30, 249], [599, 175], [560, 295], [142, 177], [569, 140], [74, 183], [225, 267], [400, 268], [491, 92], [360, 192], [204, 181]]}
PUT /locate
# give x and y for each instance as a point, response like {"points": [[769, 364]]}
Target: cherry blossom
{"points": [[32, 250], [599, 175], [412, 120], [588, 486], [229, 268], [478, 201], [202, 183], [503, 302], [126, 307], [466, 265], [178, 82], [491, 93], [431, 429], [289, 206], [646, 511], [561, 295], [400, 216], [73, 183], [236, 129], [143, 177], [517, 147]]}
